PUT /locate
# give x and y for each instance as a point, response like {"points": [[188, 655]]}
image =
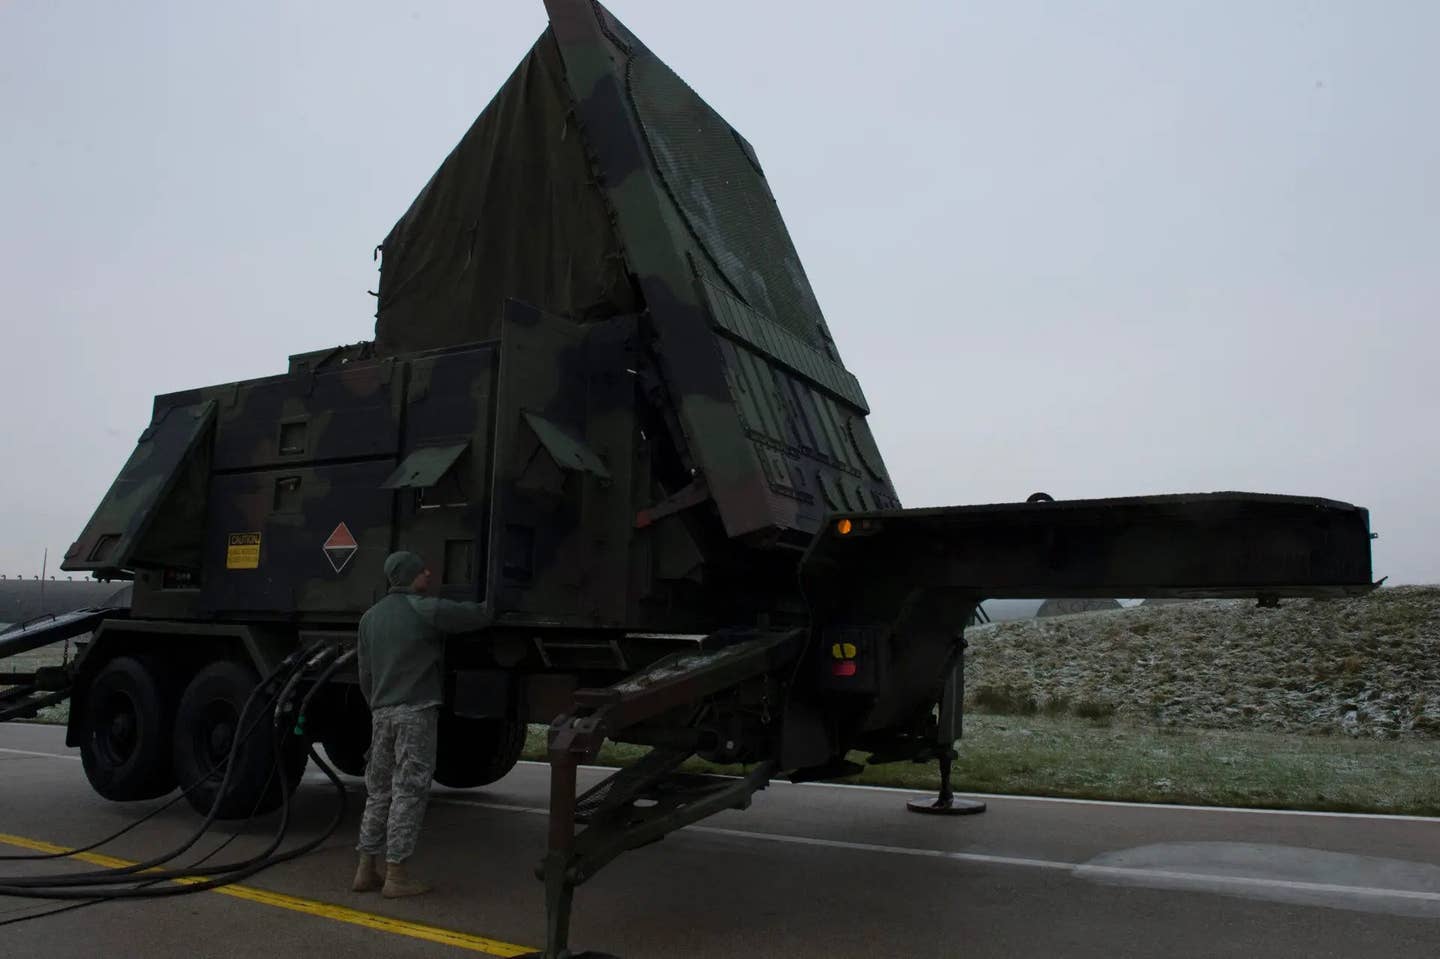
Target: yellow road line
{"points": [[312, 907]]}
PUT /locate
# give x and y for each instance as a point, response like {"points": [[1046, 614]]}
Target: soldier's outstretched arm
{"points": [[450, 616]]}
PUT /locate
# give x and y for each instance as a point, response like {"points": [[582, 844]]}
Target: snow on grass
{"points": [[1362, 667], [1050, 756]]}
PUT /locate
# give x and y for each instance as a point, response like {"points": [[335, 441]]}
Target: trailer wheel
{"points": [[125, 731], [346, 735], [206, 724], [476, 752]]}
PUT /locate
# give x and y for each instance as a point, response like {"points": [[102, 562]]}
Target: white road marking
{"points": [[795, 840], [31, 752], [1151, 876], [1078, 870], [901, 790]]}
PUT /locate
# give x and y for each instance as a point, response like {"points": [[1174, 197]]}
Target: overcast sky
{"points": [[1091, 248]]}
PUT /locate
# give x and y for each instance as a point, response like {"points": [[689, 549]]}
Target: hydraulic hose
{"points": [[285, 664], [144, 892], [71, 907], [294, 662], [320, 681], [123, 874], [227, 873]]}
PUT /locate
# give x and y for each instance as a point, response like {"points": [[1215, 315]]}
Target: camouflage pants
{"points": [[397, 779]]}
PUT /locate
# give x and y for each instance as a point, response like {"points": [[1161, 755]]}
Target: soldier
{"points": [[401, 653]]}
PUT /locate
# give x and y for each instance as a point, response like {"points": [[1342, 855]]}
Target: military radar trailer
{"points": [[601, 399]]}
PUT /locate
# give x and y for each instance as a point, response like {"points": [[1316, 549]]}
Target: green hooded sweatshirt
{"points": [[402, 639]]}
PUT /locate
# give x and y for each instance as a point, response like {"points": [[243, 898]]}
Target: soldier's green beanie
{"points": [[402, 566]]}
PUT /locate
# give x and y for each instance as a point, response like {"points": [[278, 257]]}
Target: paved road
{"points": [[807, 871]]}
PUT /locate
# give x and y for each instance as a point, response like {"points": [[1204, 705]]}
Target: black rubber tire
{"points": [[206, 722], [476, 752], [127, 717], [346, 735]]}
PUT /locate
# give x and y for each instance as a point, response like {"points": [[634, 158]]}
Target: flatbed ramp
{"points": [[23, 693]]}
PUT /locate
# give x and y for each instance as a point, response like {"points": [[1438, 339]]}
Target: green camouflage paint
{"points": [[624, 421]]}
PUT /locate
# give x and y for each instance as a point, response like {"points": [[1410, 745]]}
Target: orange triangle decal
{"points": [[341, 538], [340, 547]]}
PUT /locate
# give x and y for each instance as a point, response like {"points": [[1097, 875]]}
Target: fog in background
{"points": [[1092, 249]]}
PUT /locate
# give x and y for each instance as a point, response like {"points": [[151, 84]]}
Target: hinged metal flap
{"points": [[567, 451], [115, 531], [424, 467]]}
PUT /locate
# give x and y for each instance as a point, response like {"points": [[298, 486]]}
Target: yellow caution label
{"points": [[243, 551]]}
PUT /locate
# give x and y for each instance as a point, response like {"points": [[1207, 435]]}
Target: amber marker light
{"points": [[843, 527]]}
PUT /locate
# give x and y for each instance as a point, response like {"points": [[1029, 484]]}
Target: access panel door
{"points": [[442, 484], [308, 540]]}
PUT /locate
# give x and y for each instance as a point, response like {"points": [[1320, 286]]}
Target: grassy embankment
{"points": [[1085, 759]]}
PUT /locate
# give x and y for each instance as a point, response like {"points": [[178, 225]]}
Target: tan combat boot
{"points": [[398, 883], [368, 877]]}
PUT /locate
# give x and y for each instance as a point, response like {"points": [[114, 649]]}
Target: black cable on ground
{"points": [[71, 907], [229, 873], [33, 857], [283, 857], [120, 874], [288, 663], [117, 874], [143, 892]]}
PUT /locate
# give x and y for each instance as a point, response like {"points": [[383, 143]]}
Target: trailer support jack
{"points": [[952, 707]]}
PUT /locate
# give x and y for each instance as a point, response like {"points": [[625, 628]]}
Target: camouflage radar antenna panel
{"points": [[655, 202], [771, 415]]}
